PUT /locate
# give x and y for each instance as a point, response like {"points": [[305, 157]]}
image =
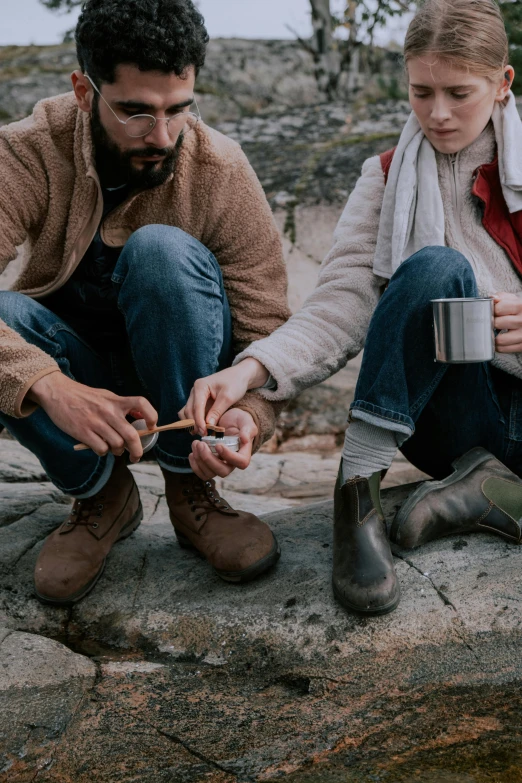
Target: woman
{"points": [[438, 217]]}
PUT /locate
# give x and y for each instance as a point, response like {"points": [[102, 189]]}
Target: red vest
{"points": [[505, 228]]}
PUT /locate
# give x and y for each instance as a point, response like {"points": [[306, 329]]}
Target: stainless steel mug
{"points": [[464, 330]]}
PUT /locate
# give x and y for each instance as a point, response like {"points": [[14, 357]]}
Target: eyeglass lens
{"points": [[142, 124]]}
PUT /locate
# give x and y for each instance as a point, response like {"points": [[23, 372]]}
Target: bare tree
{"points": [[323, 47], [326, 53], [375, 14], [361, 18]]}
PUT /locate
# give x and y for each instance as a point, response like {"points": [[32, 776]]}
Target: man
{"points": [[154, 258]]}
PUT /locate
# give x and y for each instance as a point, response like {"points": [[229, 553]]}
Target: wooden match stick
{"points": [[185, 424]]}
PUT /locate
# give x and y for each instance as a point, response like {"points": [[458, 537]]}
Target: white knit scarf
{"points": [[412, 215]]}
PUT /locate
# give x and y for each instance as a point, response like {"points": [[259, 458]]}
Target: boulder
{"points": [[42, 685]]}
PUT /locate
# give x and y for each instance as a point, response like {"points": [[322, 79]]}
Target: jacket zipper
{"points": [[454, 159]]}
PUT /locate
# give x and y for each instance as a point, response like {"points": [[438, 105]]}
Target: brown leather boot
{"points": [[73, 556], [238, 545], [363, 578], [480, 496]]}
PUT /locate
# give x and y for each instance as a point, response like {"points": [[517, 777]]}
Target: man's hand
{"points": [[508, 316], [207, 465], [211, 397], [95, 417]]}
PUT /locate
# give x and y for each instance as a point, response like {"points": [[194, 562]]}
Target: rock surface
{"points": [[240, 77], [200, 680]]}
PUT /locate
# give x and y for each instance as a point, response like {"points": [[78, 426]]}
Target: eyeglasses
{"points": [[142, 124]]}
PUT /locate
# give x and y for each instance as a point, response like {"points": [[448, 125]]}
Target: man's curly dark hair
{"points": [[154, 35]]}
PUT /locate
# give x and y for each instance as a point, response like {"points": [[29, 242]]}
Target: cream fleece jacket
{"points": [[331, 327], [50, 195]]}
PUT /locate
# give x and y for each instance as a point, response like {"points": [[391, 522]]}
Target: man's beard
{"points": [[115, 167]]}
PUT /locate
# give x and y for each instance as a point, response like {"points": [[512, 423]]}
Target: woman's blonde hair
{"points": [[469, 34]]}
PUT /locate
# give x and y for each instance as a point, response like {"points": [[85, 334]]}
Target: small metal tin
{"points": [[229, 441], [149, 441], [464, 330]]}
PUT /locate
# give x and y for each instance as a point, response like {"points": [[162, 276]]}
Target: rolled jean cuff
{"points": [[173, 464], [100, 477], [403, 425]]}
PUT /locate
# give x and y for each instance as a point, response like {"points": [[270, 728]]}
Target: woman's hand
{"points": [[211, 397], [508, 321], [207, 465]]}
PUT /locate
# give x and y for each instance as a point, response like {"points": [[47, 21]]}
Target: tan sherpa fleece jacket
{"points": [[50, 195], [331, 326]]}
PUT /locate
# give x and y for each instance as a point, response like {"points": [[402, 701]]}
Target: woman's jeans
{"points": [[438, 411], [171, 294]]}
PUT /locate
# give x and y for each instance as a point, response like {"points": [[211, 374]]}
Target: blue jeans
{"points": [[438, 411], [171, 294]]}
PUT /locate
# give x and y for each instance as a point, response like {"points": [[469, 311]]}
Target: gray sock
{"points": [[367, 449]]}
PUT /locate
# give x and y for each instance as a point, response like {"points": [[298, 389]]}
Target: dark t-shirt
{"points": [[88, 300]]}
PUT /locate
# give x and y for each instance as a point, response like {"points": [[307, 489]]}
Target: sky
{"points": [[27, 21]]}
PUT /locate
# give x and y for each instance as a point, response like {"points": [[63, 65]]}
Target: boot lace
{"points": [[84, 510], [202, 497]]}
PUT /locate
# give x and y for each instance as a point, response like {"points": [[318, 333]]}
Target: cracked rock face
{"points": [[184, 677], [158, 597]]}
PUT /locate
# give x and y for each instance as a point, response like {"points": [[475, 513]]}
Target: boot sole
{"points": [[462, 467], [127, 531], [386, 609], [237, 577]]}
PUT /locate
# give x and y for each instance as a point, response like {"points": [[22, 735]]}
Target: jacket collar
{"points": [[83, 146], [484, 148]]}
